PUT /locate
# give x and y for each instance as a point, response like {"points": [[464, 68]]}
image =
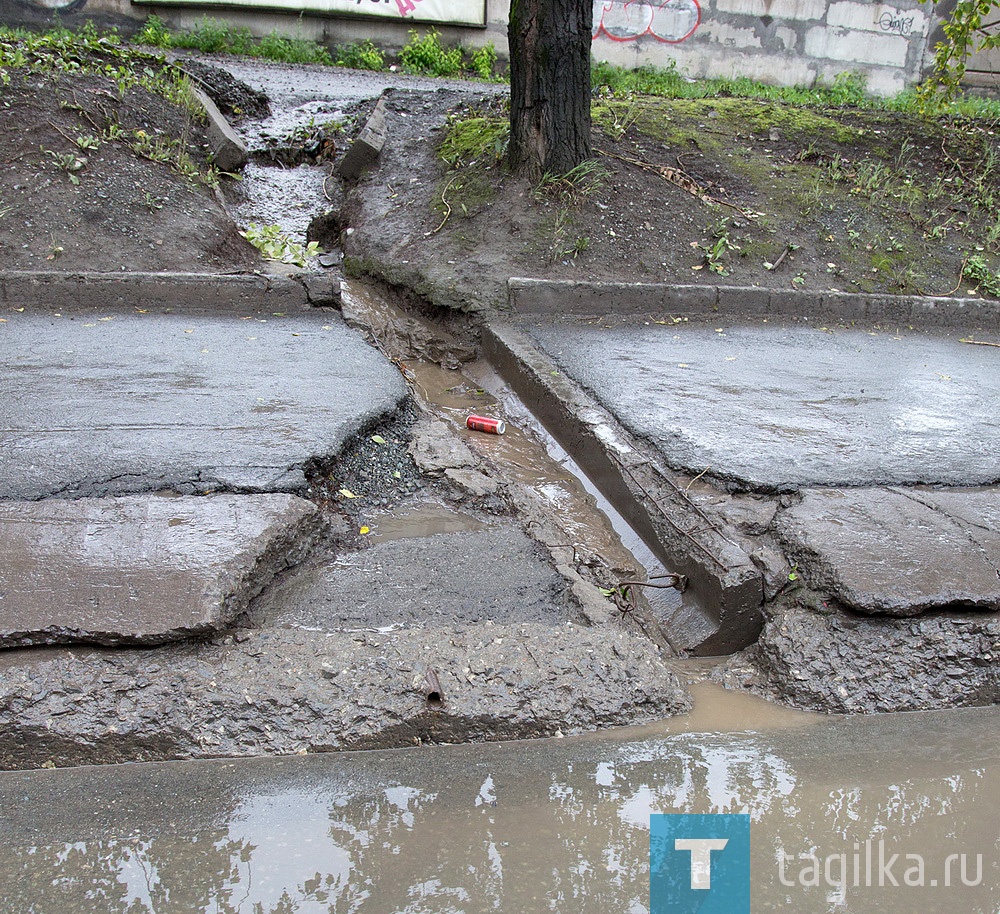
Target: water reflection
{"points": [[553, 826]]}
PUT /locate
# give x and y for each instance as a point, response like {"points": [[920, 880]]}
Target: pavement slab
{"points": [[129, 402], [498, 574], [776, 407], [142, 570], [839, 663], [280, 691], [899, 552]]}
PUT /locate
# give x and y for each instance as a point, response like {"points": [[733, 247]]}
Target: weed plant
{"points": [[361, 55], [214, 37], [426, 56]]}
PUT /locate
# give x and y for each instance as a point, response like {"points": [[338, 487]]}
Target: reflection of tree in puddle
{"points": [[125, 876]]}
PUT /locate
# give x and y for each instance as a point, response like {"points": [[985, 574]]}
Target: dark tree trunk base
{"points": [[549, 85]]}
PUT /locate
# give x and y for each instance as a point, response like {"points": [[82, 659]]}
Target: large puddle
{"points": [[557, 825]]}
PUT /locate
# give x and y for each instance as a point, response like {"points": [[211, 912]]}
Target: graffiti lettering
{"points": [[670, 21], [901, 25]]}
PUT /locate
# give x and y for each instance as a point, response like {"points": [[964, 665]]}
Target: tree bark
{"points": [[549, 85]]}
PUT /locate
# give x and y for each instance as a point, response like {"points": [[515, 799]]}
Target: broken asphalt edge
{"points": [[543, 296], [85, 291], [722, 610]]}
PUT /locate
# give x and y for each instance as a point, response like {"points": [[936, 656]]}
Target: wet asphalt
{"points": [[776, 407]]}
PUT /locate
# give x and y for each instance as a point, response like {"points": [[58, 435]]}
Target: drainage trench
{"points": [[527, 455]]}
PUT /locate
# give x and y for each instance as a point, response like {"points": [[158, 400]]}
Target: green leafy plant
{"points": [[715, 253], [483, 61], [274, 244], [88, 142], [427, 56], [89, 52], [214, 37], [976, 270], [362, 55], [69, 162], [172, 152]]}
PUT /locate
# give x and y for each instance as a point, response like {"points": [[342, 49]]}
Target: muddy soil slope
{"points": [[724, 191], [107, 169]]}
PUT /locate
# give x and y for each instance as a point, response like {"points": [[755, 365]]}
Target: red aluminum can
{"points": [[486, 424]]}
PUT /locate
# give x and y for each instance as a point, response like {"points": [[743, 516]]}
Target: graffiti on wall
{"points": [[896, 23], [670, 21]]}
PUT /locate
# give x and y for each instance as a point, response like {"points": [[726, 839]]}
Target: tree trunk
{"points": [[549, 85]]}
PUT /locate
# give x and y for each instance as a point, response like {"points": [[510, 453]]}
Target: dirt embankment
{"points": [[105, 175]]}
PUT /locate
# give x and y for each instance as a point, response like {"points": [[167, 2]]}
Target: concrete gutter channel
{"points": [[866, 560]]}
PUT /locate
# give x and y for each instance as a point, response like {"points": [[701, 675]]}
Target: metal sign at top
{"points": [[442, 12]]}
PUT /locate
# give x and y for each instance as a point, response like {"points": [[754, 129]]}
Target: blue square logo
{"points": [[699, 863]]}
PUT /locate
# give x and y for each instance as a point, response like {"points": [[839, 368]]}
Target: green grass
{"points": [[361, 55], [423, 54], [214, 37], [471, 138], [847, 90]]}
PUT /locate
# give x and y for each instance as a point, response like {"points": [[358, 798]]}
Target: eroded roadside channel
{"points": [[309, 625]]}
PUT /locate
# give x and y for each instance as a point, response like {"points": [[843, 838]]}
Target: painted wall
{"points": [[785, 42], [788, 42]]}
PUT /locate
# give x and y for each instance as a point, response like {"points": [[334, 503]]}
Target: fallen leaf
{"points": [[347, 493], [365, 530], [378, 439]]}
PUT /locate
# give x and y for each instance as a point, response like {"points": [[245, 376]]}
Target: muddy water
{"points": [[559, 825]]}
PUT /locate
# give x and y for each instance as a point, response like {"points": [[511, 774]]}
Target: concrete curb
{"points": [[721, 612], [542, 296], [228, 150], [175, 291]]}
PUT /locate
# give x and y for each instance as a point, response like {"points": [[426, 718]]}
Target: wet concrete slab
{"points": [[818, 658], [719, 610], [280, 691], [142, 570], [498, 574], [775, 407], [899, 552], [130, 402]]}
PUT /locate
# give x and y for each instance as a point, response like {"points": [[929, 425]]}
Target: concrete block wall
{"points": [[784, 42]]}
